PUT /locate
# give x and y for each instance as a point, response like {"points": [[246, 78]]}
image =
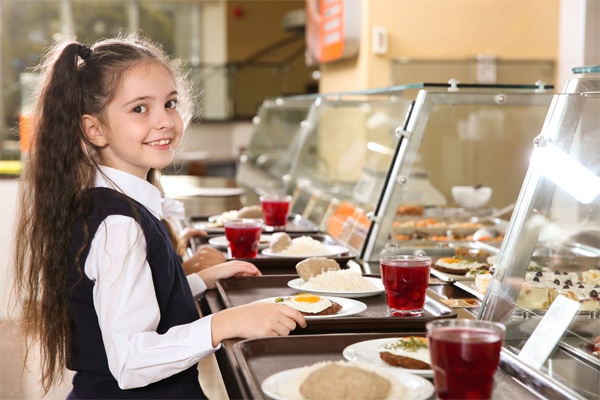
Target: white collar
{"points": [[138, 189]]}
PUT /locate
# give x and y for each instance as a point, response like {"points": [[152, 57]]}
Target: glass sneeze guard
{"points": [[456, 136], [552, 245]]}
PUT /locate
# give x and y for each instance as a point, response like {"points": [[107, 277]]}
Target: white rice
{"points": [[305, 246], [344, 280]]}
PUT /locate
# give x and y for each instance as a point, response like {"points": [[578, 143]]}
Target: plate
{"points": [[368, 352], [331, 250], [221, 241], [298, 282], [349, 307], [285, 385]]}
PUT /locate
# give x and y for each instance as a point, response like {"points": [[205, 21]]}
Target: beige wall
{"points": [[442, 29], [250, 36]]}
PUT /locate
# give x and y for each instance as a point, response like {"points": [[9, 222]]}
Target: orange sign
{"points": [[332, 29]]}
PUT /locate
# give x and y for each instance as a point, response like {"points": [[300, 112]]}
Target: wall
{"points": [[511, 29], [269, 58], [8, 206]]}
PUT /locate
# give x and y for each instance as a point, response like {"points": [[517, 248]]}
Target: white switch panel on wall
{"points": [[379, 40]]}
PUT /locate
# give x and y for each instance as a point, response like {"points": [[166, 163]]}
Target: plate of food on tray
{"points": [[283, 245], [314, 306], [324, 276], [332, 379], [408, 354]]}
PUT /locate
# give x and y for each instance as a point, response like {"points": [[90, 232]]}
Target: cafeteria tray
{"points": [[295, 224], [238, 291], [260, 358], [287, 265], [257, 359]]}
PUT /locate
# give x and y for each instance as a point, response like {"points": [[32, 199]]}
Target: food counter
{"points": [[245, 364], [372, 211]]}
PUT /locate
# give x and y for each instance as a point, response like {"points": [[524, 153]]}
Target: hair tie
{"points": [[84, 52]]}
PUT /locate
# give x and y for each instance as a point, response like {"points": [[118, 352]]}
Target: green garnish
{"points": [[412, 344]]}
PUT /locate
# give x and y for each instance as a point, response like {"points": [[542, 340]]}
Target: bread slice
{"points": [[314, 266]]}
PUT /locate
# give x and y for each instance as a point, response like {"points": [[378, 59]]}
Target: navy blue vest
{"points": [[88, 356]]}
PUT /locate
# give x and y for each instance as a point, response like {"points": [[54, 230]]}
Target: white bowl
{"points": [[471, 197]]}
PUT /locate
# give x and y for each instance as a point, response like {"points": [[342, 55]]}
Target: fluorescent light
{"points": [[378, 148], [567, 173]]}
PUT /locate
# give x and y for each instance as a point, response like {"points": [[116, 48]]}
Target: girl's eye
{"points": [[171, 104], [140, 109]]}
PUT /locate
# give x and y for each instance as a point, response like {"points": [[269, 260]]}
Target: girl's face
{"points": [[142, 124]]}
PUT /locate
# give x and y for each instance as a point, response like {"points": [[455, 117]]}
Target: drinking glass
{"points": [[275, 210], [405, 278], [464, 356], [243, 236]]}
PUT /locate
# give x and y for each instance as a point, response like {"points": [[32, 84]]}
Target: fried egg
{"points": [[413, 346], [306, 302]]}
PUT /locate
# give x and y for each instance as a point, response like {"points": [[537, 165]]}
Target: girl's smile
{"points": [[142, 125]]}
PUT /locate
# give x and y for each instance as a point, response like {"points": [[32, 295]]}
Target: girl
{"points": [[101, 285]]}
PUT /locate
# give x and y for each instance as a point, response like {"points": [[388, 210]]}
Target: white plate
{"points": [[368, 352], [331, 250], [349, 307], [221, 241], [298, 282], [285, 385]]}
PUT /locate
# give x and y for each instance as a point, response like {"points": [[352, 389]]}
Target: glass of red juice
{"points": [[464, 357], [405, 278], [243, 236], [275, 210]]}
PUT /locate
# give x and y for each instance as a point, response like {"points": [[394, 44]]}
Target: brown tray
{"points": [[243, 290], [257, 359], [295, 224], [287, 265]]}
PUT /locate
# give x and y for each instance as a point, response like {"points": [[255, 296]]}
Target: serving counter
{"points": [[373, 172]]}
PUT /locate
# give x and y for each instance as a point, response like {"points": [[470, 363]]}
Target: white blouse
{"points": [[125, 301]]}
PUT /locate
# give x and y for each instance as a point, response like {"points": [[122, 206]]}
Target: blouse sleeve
{"points": [[128, 311]]}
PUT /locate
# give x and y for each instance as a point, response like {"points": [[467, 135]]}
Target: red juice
{"points": [[275, 210], [405, 279], [464, 361], [243, 238]]}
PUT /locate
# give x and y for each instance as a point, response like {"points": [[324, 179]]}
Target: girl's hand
{"points": [[227, 270], [255, 320], [204, 257], [188, 233]]}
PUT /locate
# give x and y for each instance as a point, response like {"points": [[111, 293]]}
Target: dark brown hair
{"points": [[58, 170]]}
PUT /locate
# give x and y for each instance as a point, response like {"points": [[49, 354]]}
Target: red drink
{"points": [[275, 210], [405, 279], [464, 357], [243, 237]]}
